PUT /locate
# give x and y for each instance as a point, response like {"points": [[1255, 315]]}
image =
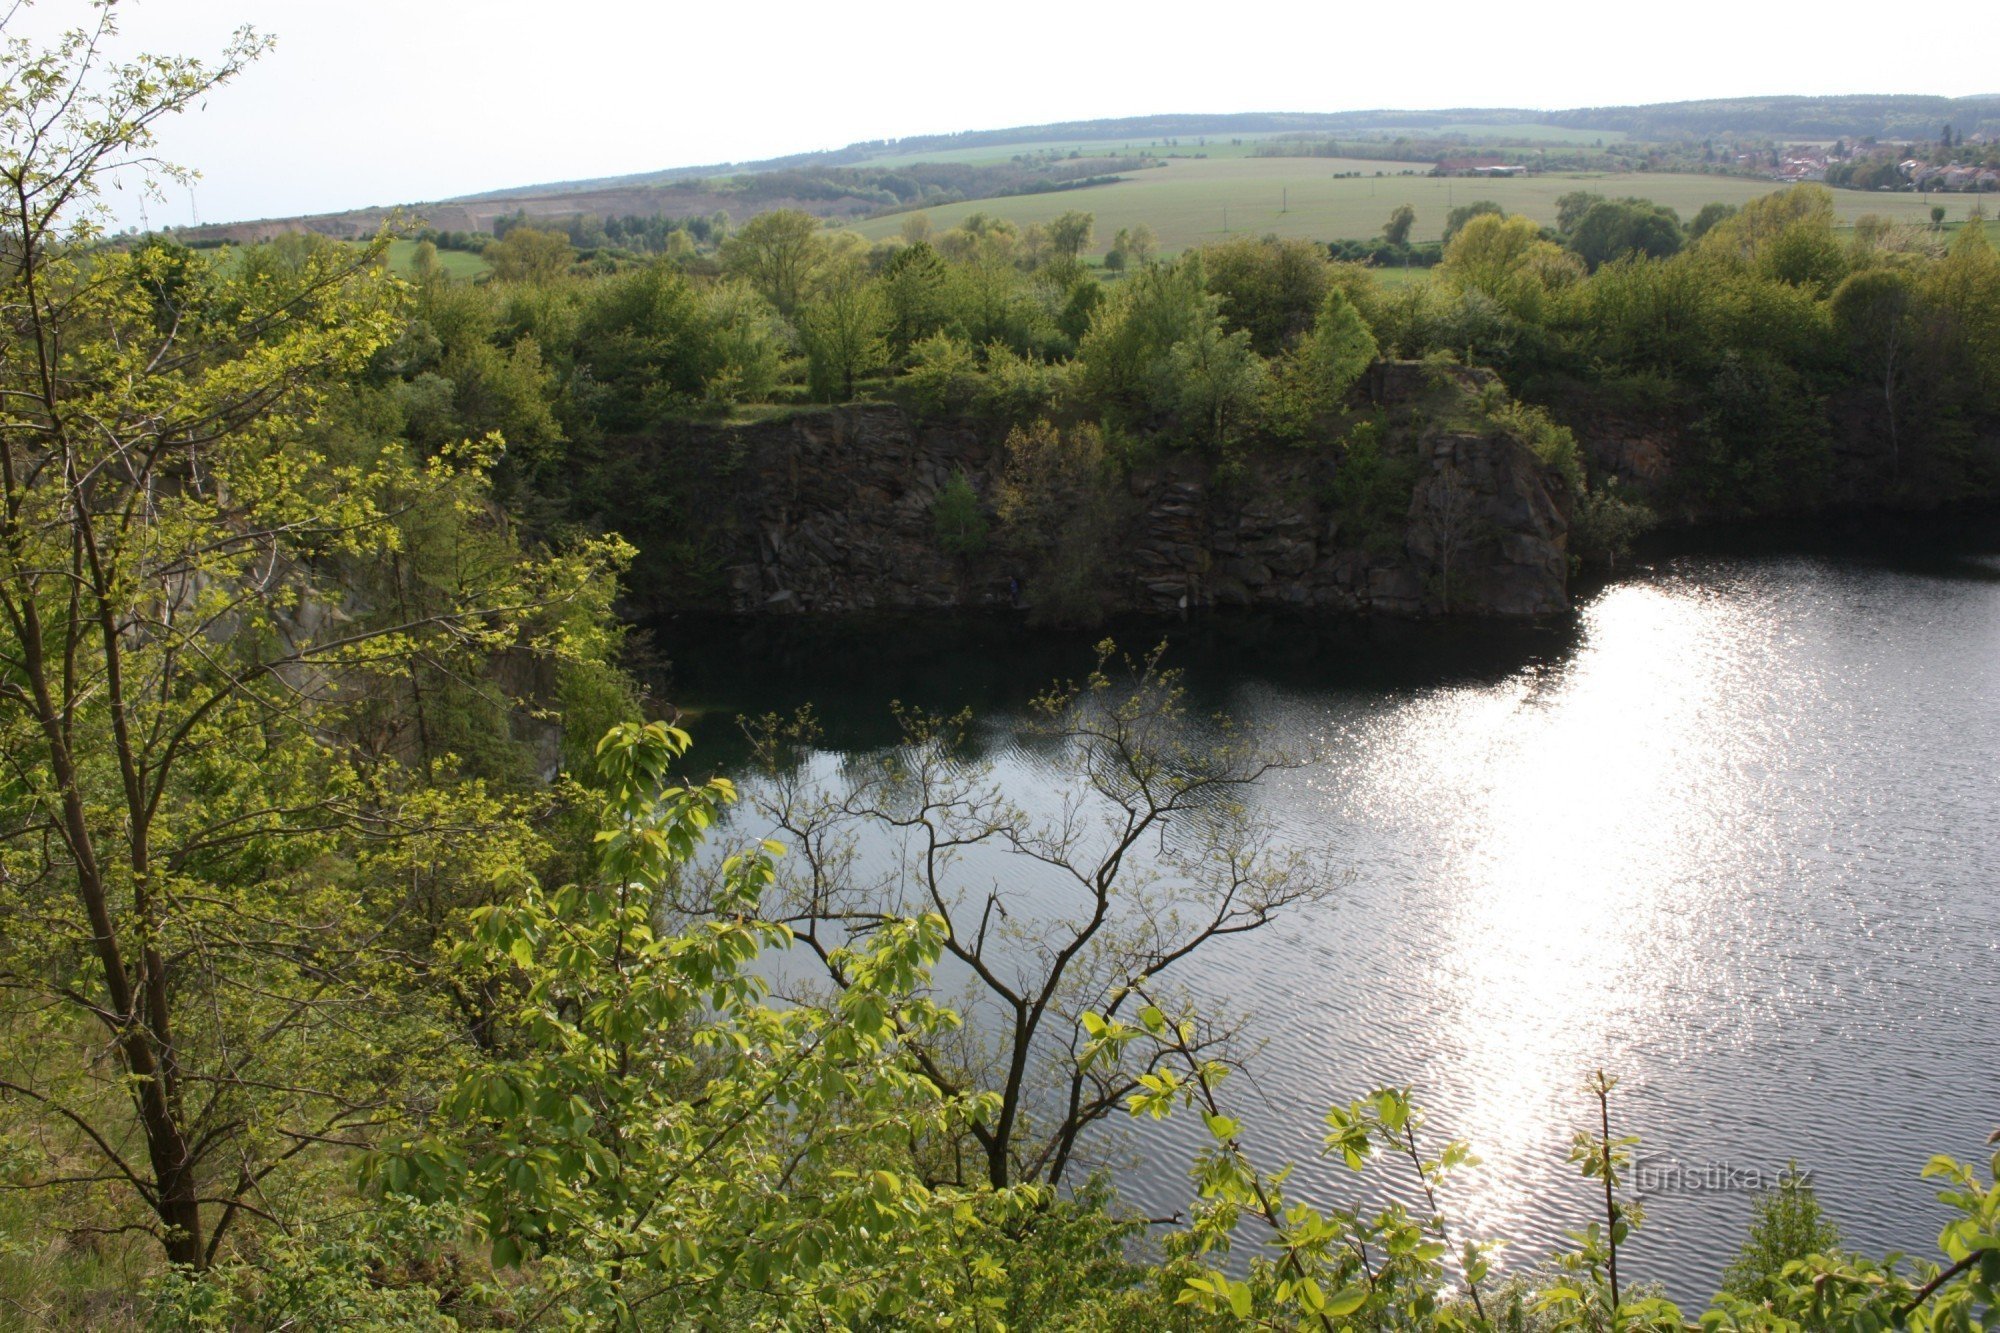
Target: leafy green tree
{"points": [[191, 809], [1116, 258], [1086, 296], [1786, 236], [1142, 247], [1707, 219], [1342, 345], [658, 1136], [1605, 523], [1126, 355], [780, 254], [917, 288], [842, 329], [1219, 378], [1612, 229], [1455, 220], [1069, 235], [743, 343], [528, 254], [1877, 310], [1396, 231], [641, 335], [1311, 380], [424, 266], [959, 518], [1270, 288], [1965, 290], [1506, 259], [942, 374], [1571, 208]]}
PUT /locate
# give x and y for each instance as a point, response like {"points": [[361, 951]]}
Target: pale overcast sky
{"points": [[391, 101]]}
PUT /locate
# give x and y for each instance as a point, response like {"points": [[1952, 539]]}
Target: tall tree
{"points": [[1876, 309], [529, 254], [1396, 231], [842, 328], [778, 253], [185, 685], [1069, 234]]}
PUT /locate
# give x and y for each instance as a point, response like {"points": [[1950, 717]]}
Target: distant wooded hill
{"points": [[920, 171]]}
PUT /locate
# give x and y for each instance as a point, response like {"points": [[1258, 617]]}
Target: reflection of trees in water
{"points": [[851, 671]]}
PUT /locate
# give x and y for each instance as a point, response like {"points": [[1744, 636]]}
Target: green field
{"points": [[1391, 276], [1184, 201], [456, 263]]}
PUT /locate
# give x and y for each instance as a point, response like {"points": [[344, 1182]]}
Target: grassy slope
{"points": [[1184, 200]]}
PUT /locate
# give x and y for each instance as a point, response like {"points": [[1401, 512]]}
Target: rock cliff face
{"points": [[832, 511]]}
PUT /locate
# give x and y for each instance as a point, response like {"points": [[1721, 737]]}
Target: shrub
{"points": [[959, 518], [942, 375], [1786, 1223]]}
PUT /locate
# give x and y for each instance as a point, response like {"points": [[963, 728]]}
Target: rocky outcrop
{"points": [[833, 511]]}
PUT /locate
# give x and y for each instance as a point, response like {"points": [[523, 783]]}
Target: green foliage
{"points": [[1705, 221], [1319, 373], [1507, 260], [586, 1149], [780, 253], [230, 730], [842, 327], [1218, 381], [1270, 289], [1069, 233], [942, 372], [294, 619], [1604, 523], [396, 1269], [1015, 388], [1079, 308], [1571, 207], [1552, 443], [1396, 231], [917, 289], [1610, 230], [1764, 447], [526, 254], [1786, 1226], [1058, 499], [1456, 219], [1371, 489], [959, 518]]}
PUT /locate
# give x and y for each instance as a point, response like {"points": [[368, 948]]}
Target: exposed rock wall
{"points": [[832, 511]]}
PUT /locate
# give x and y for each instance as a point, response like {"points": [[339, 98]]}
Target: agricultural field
{"points": [[456, 263], [1185, 200]]}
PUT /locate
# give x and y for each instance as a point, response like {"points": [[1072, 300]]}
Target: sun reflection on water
{"points": [[1581, 803]]}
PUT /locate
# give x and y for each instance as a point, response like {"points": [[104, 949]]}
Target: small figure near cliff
{"points": [[1014, 592]]}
